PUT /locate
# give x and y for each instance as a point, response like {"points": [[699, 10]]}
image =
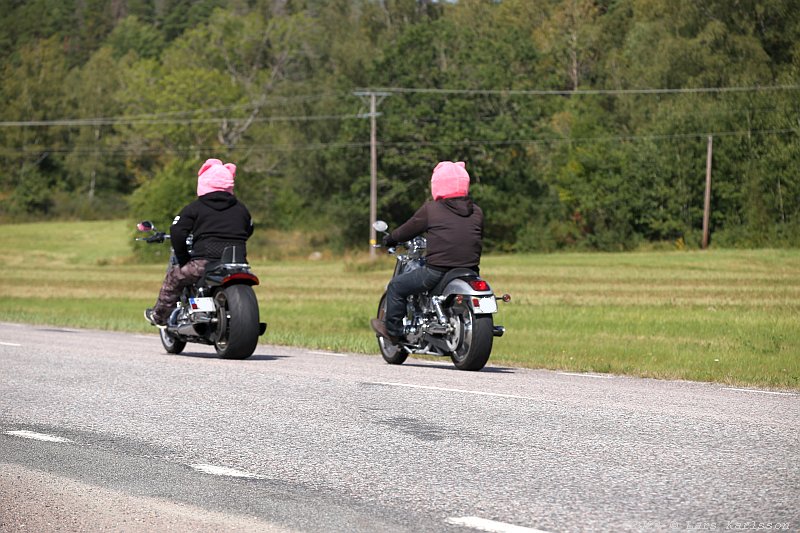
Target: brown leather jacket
{"points": [[455, 232]]}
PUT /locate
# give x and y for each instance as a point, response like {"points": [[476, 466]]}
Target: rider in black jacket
{"points": [[215, 220], [454, 226]]}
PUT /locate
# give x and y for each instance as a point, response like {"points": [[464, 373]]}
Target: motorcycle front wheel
{"points": [[237, 330], [472, 338], [394, 354]]}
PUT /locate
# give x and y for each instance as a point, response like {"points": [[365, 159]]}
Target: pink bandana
{"points": [[449, 180], [214, 176]]}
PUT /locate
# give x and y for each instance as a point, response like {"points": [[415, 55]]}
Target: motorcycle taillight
{"points": [[479, 285]]}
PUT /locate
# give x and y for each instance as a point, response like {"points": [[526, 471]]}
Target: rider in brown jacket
{"points": [[454, 226]]}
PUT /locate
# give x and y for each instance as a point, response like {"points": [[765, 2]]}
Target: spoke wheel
{"points": [[472, 337], [394, 354]]}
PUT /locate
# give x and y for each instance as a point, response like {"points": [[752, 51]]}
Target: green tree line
{"points": [[584, 123]]}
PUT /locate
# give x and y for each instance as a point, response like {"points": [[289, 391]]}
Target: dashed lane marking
{"points": [[334, 354], [492, 526], [761, 391], [9, 344], [596, 376], [206, 469], [223, 471], [480, 393], [36, 436]]}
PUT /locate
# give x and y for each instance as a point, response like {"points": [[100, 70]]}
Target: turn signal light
{"points": [[506, 298]]}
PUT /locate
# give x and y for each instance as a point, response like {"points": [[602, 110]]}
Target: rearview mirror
{"points": [[380, 225], [145, 225]]}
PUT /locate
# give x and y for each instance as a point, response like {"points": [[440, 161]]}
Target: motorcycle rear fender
{"points": [[240, 278], [460, 286], [225, 279]]}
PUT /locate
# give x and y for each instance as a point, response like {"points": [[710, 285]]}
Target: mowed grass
{"points": [[725, 316]]}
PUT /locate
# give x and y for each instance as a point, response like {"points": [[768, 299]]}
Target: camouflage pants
{"points": [[176, 279]]}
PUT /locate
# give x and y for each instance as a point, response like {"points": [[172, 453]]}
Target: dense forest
{"points": [[584, 123]]}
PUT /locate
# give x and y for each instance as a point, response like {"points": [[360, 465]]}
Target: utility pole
{"points": [[707, 203], [373, 155]]}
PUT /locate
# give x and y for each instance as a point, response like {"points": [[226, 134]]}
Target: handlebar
{"points": [[158, 236], [414, 246]]}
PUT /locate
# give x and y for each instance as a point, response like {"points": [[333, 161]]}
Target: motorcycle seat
{"points": [[450, 275], [230, 255]]}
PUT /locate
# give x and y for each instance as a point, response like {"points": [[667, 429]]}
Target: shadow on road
{"points": [[266, 357], [256, 357], [444, 366]]}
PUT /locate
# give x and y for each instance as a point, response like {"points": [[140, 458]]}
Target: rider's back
{"points": [[215, 220], [454, 229]]}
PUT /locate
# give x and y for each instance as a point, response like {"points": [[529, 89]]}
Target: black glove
{"points": [[388, 242], [156, 237]]}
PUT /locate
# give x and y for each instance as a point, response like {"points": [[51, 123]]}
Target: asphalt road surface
{"points": [[103, 431]]}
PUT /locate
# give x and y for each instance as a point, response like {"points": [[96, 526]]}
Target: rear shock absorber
{"points": [[437, 306]]}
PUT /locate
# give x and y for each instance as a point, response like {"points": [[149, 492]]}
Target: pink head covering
{"points": [[449, 180], [214, 176]]}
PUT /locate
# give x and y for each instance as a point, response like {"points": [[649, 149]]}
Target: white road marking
{"points": [[37, 436], [762, 391], [490, 525], [9, 344], [223, 471], [585, 375], [330, 353], [480, 393]]}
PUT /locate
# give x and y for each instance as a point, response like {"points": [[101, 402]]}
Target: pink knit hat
{"points": [[214, 176], [449, 180]]}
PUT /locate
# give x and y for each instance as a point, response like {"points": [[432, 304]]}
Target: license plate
{"points": [[484, 305], [201, 305]]}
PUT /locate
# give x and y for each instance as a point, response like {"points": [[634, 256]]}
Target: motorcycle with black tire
{"points": [[220, 309], [454, 319]]}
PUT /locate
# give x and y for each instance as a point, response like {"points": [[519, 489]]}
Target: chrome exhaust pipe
{"points": [[185, 329]]}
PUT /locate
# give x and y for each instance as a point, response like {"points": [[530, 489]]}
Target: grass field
{"points": [[723, 315]]}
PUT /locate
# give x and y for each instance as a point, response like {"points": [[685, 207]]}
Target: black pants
{"points": [[403, 286]]}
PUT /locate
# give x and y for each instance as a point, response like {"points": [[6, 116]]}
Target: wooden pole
{"points": [[373, 182], [707, 203], [373, 161]]}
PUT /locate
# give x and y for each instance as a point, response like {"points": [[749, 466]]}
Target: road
{"points": [[103, 431]]}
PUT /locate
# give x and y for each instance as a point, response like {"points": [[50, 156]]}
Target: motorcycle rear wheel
{"points": [[474, 337], [394, 354], [237, 331], [171, 343]]}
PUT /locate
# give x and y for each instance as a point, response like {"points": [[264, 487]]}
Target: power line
{"points": [[541, 92], [187, 121], [600, 139], [91, 149], [141, 120], [161, 118]]}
